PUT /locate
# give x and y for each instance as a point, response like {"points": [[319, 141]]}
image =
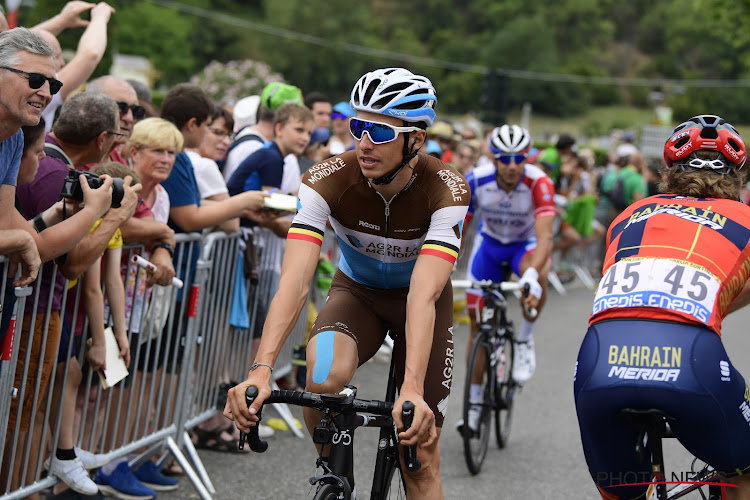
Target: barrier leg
{"points": [[198, 463], [555, 282], [177, 453], [285, 413]]}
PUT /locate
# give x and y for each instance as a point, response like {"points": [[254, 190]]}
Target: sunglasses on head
{"points": [[36, 80], [695, 164], [338, 116], [138, 111], [379, 133], [506, 159]]}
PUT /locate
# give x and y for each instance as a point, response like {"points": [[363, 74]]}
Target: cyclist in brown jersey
{"points": [[398, 215]]}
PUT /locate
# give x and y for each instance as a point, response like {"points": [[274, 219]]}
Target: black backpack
{"points": [[249, 137]]}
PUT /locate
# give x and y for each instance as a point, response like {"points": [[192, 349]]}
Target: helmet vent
{"points": [[681, 142], [369, 91], [709, 133], [733, 144]]}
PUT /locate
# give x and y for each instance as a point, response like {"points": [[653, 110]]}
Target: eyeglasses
{"points": [[379, 133], [36, 80], [118, 134], [699, 163], [506, 159], [338, 116], [138, 111], [220, 133]]}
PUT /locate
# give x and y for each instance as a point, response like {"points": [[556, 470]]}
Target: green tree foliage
{"points": [[326, 45]]}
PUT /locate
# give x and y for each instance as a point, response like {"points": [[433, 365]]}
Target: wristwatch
{"points": [[256, 365]]}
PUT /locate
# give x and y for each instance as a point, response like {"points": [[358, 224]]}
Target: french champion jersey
{"points": [[509, 217], [380, 240], [675, 258]]}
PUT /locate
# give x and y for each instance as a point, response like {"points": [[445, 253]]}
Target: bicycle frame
{"points": [[343, 414]]}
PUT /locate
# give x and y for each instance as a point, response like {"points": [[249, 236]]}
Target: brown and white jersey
{"points": [[381, 239]]}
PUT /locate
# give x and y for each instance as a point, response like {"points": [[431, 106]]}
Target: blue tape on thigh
{"points": [[323, 356]]}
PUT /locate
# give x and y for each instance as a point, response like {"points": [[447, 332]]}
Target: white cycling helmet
{"points": [[510, 139], [395, 92]]}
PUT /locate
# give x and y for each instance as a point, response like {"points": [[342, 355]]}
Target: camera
{"points": [[72, 186]]}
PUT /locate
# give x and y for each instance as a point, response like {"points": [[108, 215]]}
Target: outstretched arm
{"points": [[69, 17], [89, 53]]}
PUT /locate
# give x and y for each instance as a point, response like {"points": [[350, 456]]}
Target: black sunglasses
{"points": [[138, 111], [36, 80]]}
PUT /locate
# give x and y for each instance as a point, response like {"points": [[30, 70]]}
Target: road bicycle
{"points": [[652, 425], [342, 415], [492, 348]]}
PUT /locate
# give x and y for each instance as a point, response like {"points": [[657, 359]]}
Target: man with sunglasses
{"points": [[25, 93], [398, 216], [515, 200]]}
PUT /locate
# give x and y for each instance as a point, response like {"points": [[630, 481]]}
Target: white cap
{"points": [[246, 112]]}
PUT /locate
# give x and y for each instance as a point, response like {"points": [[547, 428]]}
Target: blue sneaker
{"points": [[122, 484], [150, 475]]}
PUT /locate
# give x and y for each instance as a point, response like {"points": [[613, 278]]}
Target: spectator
{"points": [[320, 105], [130, 111], [442, 132], [264, 169], [465, 157], [550, 159], [20, 48], [145, 98], [255, 124], [156, 236], [188, 107], [342, 139], [56, 236], [274, 95], [204, 159], [83, 134], [316, 150], [91, 47], [626, 147], [153, 146]]}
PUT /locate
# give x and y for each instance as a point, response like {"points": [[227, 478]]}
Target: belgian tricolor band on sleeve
{"points": [[440, 249], [306, 233]]}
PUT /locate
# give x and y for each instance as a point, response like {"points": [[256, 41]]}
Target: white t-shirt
{"points": [[208, 175], [160, 210]]}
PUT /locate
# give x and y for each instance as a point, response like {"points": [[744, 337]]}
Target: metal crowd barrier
{"points": [[182, 346]]}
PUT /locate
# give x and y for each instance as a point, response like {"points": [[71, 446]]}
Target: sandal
{"points": [[173, 468], [215, 440]]}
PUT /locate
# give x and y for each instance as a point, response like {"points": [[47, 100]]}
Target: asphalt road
{"points": [[543, 459]]}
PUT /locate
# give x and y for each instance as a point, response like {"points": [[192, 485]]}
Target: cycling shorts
{"points": [[365, 314], [678, 368], [488, 261]]}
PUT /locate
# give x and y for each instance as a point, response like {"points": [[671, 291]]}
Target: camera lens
{"points": [[117, 192]]}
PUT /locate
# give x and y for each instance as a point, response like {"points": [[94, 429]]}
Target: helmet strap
{"points": [[408, 155]]}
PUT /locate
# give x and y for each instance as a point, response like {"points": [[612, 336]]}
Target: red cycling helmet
{"points": [[705, 132]]}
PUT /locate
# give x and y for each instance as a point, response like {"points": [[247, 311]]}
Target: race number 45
{"points": [[661, 283]]}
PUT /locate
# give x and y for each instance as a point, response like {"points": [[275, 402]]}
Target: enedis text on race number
{"points": [[664, 283]]}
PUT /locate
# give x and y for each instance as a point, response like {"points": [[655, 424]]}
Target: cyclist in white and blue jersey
{"points": [[515, 202]]}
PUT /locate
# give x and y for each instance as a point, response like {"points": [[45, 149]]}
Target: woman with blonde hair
{"points": [[153, 147]]}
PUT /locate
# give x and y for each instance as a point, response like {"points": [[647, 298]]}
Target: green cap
{"points": [[277, 94]]}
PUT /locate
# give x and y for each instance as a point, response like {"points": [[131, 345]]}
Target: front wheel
{"points": [[505, 391], [476, 414], [327, 492]]}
